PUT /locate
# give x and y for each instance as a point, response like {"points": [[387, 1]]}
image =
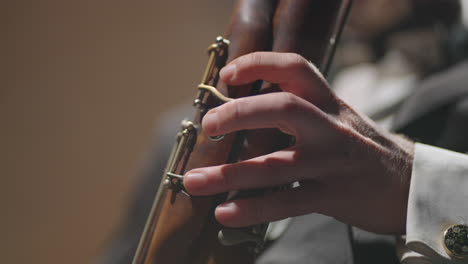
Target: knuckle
{"points": [[289, 107], [247, 64], [250, 60], [232, 111], [236, 110], [295, 58], [297, 62], [255, 59], [225, 179], [289, 103]]}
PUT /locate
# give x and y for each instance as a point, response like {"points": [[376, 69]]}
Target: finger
{"points": [[271, 207], [282, 167], [275, 169], [289, 113], [292, 72], [260, 142]]}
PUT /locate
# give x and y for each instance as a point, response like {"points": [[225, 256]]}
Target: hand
{"points": [[346, 166]]}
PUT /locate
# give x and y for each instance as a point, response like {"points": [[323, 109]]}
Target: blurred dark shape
{"points": [[432, 12]]}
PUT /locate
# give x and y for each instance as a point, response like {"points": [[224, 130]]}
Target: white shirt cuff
{"points": [[438, 199]]}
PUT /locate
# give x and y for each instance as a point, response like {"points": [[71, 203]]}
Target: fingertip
{"points": [[210, 123], [228, 73], [226, 213], [195, 182]]}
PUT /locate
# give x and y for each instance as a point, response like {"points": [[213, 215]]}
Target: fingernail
{"points": [[228, 72], [225, 208], [195, 180]]}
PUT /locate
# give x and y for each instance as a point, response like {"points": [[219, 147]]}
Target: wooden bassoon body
{"points": [[181, 228]]}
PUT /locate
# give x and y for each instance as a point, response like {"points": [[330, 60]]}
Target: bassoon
{"points": [[181, 228]]}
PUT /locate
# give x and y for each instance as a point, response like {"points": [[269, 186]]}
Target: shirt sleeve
{"points": [[438, 199]]}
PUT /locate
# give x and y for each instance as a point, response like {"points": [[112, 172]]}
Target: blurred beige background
{"points": [[83, 84]]}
